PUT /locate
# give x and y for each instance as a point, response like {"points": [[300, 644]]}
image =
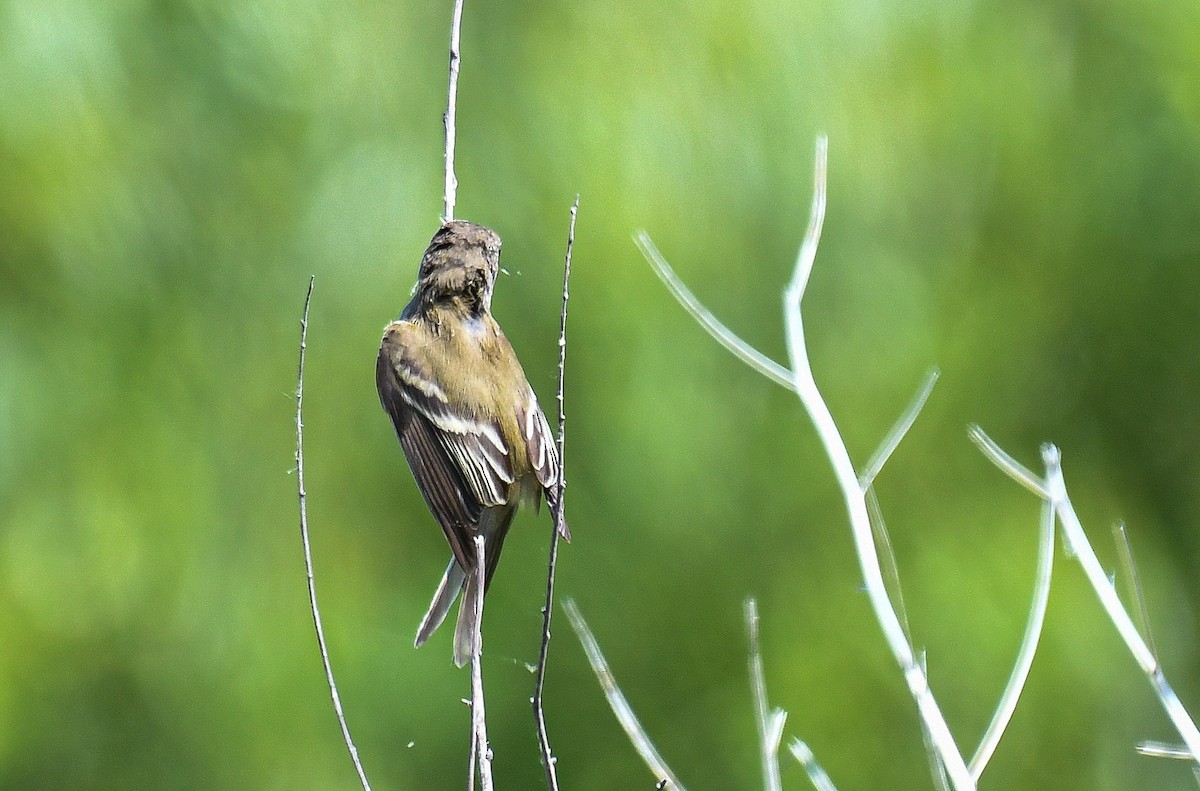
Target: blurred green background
{"points": [[1013, 199]]}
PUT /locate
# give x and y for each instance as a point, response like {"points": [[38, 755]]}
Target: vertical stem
{"points": [[852, 493], [479, 741], [450, 192], [539, 713], [308, 564], [770, 723]]}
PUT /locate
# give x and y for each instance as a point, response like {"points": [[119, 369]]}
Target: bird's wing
{"points": [[460, 462], [543, 452]]}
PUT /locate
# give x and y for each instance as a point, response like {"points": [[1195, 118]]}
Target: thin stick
{"points": [[816, 775], [1054, 491], [1125, 550], [1029, 643], [479, 739], [1163, 750], [937, 769], [801, 380], [308, 564], [539, 714], [770, 721], [472, 757], [899, 431], [807, 255], [887, 554], [619, 705], [891, 572], [448, 120], [1082, 548], [860, 523], [1010, 466], [722, 334]]}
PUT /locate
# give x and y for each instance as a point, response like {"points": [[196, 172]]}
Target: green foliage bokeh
{"points": [[1014, 198]]}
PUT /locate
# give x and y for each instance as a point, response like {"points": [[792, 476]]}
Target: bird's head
{"points": [[460, 264]]}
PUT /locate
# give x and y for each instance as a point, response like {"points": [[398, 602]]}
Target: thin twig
{"points": [[539, 713], [472, 758], [448, 120], [1163, 750], [1125, 550], [1029, 643], [308, 564], [479, 739], [619, 705], [1010, 466], [839, 457], [937, 769], [1054, 491], [816, 775], [807, 255], [1082, 548], [891, 572], [887, 555], [803, 383], [770, 721], [722, 334], [898, 432]]}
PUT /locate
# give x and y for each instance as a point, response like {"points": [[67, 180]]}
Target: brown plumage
{"points": [[468, 421]]}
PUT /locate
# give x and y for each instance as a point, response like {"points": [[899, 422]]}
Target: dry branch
{"points": [[308, 564]]}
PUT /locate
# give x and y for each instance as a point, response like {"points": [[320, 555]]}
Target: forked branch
{"points": [[800, 379], [1053, 489]]}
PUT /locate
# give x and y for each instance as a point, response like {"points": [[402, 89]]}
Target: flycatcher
{"points": [[468, 421]]}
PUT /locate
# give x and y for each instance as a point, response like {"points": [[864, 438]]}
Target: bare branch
{"points": [[448, 120], [891, 572], [1054, 491], [722, 334], [479, 739], [803, 383], [1011, 467], [937, 769], [308, 564], [1029, 643], [1125, 550], [852, 493], [539, 714], [816, 775], [619, 705], [898, 432], [812, 235], [1163, 750], [1082, 548], [887, 558], [770, 721]]}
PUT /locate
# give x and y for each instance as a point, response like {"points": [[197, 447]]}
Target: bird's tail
{"points": [[443, 598], [494, 527], [464, 630], [453, 581]]}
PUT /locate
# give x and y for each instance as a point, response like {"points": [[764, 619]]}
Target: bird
{"points": [[468, 421]]}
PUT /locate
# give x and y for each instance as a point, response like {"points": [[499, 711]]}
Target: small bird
{"points": [[468, 420]]}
